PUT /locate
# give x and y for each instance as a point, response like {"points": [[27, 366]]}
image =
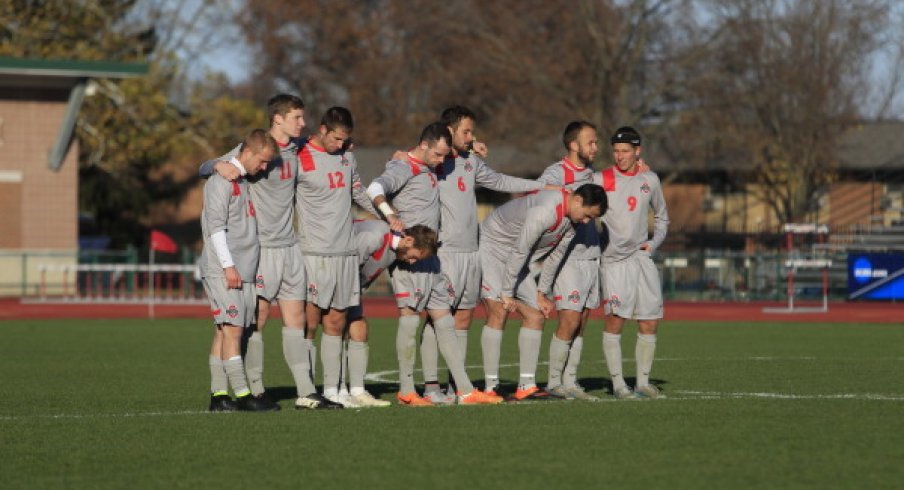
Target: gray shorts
{"points": [[463, 271], [333, 281], [232, 306], [578, 285], [281, 274], [632, 288], [421, 285], [493, 275]]}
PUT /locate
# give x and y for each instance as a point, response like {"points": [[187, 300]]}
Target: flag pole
{"points": [[151, 284]]}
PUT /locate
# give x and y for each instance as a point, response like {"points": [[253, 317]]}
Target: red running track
{"points": [[839, 312]]}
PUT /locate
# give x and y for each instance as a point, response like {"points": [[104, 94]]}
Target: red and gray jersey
{"points": [[567, 174], [273, 191], [375, 253], [228, 207], [631, 196], [526, 230], [458, 176], [410, 185], [327, 184]]}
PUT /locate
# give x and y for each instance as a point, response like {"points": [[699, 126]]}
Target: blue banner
{"points": [[876, 276]]}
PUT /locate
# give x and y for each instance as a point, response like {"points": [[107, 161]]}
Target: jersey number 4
{"points": [[337, 180]]}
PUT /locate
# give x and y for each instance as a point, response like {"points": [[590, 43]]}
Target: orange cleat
{"points": [[477, 397], [413, 400], [532, 393]]}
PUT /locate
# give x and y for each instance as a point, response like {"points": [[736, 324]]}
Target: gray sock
{"points": [[491, 345], [462, 337], [343, 366], [357, 364], [219, 384], [406, 350], [295, 350], [448, 345], [529, 348], [235, 371], [558, 355], [254, 363], [570, 376], [429, 355], [331, 357], [612, 352], [312, 357]]}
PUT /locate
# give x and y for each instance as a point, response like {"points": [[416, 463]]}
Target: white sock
{"points": [[529, 341], [612, 352], [643, 352], [491, 344]]}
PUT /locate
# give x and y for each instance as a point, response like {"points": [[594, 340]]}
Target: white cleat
{"points": [[366, 400], [648, 392], [343, 399], [577, 391], [624, 393]]}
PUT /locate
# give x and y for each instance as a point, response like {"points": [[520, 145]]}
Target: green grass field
{"points": [[120, 403]]}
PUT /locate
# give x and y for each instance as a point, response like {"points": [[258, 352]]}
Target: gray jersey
{"points": [[526, 230], [458, 176], [327, 184], [228, 207], [631, 196], [411, 187], [375, 252], [273, 192], [567, 174]]}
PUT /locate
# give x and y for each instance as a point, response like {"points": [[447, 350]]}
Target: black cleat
{"points": [[222, 403], [315, 401], [267, 402], [250, 403]]}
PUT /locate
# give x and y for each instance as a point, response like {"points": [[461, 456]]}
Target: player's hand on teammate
{"points": [[508, 303], [642, 165], [233, 278], [480, 148], [226, 170], [395, 224], [399, 155], [545, 304], [550, 187], [646, 247]]}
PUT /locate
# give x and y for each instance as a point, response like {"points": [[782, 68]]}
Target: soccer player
{"points": [[231, 253], [412, 184], [458, 176], [378, 249], [576, 290], [513, 239], [630, 281], [281, 273], [328, 183]]}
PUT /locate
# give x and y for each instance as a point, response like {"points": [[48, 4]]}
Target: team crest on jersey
{"points": [[468, 166], [344, 161], [259, 281], [312, 289], [614, 301], [418, 295], [232, 311], [645, 188], [451, 290], [574, 296]]}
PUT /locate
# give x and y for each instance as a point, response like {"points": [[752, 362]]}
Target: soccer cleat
{"points": [[222, 403], [366, 400], [413, 400], [250, 403], [577, 391], [343, 399], [438, 397], [267, 402], [316, 402], [623, 393], [561, 392], [477, 397], [532, 393], [648, 392]]}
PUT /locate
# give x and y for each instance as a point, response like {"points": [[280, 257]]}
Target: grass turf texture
{"points": [[116, 403]]}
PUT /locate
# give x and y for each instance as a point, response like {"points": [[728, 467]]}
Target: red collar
{"points": [[629, 174], [315, 147], [568, 163], [414, 160]]}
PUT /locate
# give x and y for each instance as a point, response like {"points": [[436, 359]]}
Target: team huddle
{"points": [[576, 238]]}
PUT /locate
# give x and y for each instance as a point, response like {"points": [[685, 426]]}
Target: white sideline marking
{"points": [[677, 395]]}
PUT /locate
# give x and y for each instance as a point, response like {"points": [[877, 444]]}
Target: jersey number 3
{"points": [[337, 180]]}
